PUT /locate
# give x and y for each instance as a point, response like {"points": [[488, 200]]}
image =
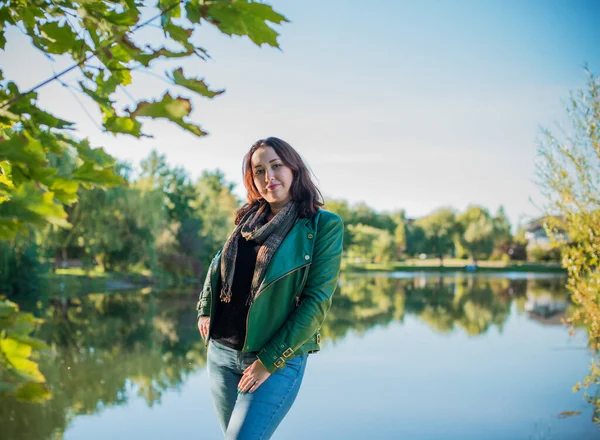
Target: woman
{"points": [[267, 292]]}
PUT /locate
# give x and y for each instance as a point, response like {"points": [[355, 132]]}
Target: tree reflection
{"points": [[106, 348], [110, 347], [445, 303]]}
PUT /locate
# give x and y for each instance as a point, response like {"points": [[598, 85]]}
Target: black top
{"points": [[229, 326]]}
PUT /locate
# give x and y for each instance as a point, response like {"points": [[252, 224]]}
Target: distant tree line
{"points": [[445, 233], [160, 222]]}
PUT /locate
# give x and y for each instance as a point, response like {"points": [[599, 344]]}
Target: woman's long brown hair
{"points": [[303, 190]]}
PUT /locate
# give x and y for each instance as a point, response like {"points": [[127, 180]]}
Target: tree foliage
{"points": [[439, 228], [476, 234], [443, 233], [100, 39], [569, 172], [160, 221], [371, 243], [19, 374], [215, 205], [400, 238]]}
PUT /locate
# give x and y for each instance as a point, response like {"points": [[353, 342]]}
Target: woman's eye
{"points": [[277, 165], [257, 172]]}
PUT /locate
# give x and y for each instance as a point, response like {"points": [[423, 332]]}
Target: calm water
{"points": [[406, 356]]}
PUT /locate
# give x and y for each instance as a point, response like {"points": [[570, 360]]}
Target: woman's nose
{"points": [[268, 175]]}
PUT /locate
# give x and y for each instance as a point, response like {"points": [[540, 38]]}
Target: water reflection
{"points": [[445, 302], [110, 347], [107, 348]]}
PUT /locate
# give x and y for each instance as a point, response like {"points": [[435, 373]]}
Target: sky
{"points": [[409, 105]]}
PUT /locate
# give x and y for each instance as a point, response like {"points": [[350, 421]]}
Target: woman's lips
{"points": [[272, 187]]}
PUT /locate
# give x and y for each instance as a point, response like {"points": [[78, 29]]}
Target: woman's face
{"points": [[272, 178]]}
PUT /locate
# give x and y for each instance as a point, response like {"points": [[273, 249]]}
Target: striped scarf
{"points": [[254, 226]]}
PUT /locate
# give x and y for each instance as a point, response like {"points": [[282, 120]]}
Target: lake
{"points": [[405, 356]]}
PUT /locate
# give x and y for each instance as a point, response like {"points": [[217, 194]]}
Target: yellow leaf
{"points": [[14, 349], [27, 369]]}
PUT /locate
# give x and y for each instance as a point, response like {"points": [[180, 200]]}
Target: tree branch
{"points": [[92, 55]]}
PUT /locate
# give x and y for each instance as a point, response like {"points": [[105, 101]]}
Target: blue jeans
{"points": [[251, 415]]}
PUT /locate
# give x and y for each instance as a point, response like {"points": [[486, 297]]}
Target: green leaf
{"points": [[64, 184], [166, 53], [59, 39], [126, 18], [120, 73], [4, 17], [179, 34], [192, 12], [21, 148], [262, 11], [95, 175], [29, 205], [173, 109], [88, 154], [41, 174], [244, 18], [64, 189], [35, 343], [33, 392], [23, 324], [104, 101], [51, 143], [193, 84], [28, 15], [127, 51], [125, 125], [40, 117], [123, 53]]}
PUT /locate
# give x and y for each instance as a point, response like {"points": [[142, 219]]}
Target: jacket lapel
{"points": [[292, 252], [290, 255]]}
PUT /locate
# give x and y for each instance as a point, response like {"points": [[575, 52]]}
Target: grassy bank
{"points": [[80, 280], [77, 280], [453, 265]]}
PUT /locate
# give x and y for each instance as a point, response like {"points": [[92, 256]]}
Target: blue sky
{"points": [[400, 104]]}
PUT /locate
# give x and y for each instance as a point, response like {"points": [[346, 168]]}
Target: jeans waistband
{"points": [[232, 350]]}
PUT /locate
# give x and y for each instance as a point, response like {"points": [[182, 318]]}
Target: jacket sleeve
{"points": [[315, 299], [205, 297]]}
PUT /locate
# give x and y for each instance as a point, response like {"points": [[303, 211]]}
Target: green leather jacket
{"points": [[291, 304]]}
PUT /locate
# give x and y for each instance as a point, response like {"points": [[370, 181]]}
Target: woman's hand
{"points": [[203, 324], [253, 377]]}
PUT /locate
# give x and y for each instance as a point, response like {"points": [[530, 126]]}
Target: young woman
{"points": [[267, 292]]}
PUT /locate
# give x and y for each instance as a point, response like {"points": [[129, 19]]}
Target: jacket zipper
{"points": [[262, 290], [300, 289]]}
